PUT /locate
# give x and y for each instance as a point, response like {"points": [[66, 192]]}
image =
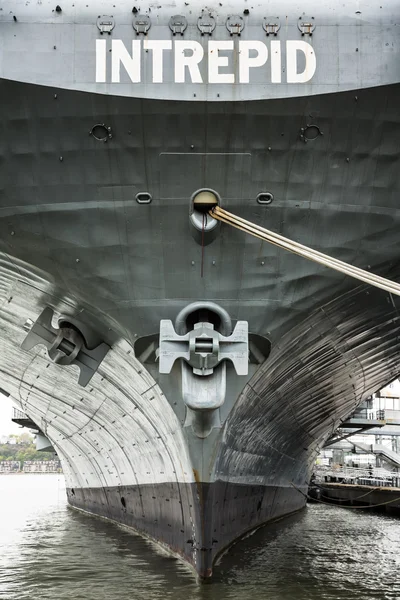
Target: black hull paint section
{"points": [[229, 512]]}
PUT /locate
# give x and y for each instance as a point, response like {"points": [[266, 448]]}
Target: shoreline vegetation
{"points": [[22, 448]]}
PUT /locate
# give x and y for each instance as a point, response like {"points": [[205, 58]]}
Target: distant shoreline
{"points": [[31, 473]]}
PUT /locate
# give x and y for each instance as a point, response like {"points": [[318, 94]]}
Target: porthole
{"points": [[101, 132], [265, 198], [310, 132], [143, 198]]}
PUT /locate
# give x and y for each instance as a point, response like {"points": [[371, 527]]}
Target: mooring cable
{"points": [[285, 243], [308, 497]]}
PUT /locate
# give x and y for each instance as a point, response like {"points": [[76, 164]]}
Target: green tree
{"points": [[25, 438], [24, 449]]}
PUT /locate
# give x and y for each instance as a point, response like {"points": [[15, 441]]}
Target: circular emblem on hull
{"points": [[178, 24], [271, 25], [206, 24], [105, 24], [141, 24], [235, 24], [306, 25]]}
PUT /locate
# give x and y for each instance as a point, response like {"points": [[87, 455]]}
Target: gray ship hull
{"points": [[229, 511], [74, 238], [270, 441]]}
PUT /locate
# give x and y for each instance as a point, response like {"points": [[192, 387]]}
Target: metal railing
{"points": [[373, 476], [18, 414], [30, 466]]}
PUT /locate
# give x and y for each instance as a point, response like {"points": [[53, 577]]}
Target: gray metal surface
{"points": [[354, 46], [78, 223], [77, 158], [204, 348]]}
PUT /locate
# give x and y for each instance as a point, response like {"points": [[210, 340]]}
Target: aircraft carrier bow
{"points": [[186, 373]]}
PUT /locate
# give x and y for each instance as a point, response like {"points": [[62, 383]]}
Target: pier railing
{"points": [[30, 466], [373, 476]]}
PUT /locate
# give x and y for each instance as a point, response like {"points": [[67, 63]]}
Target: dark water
{"points": [[50, 552]]}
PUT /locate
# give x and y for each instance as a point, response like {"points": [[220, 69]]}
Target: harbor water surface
{"points": [[51, 552]]}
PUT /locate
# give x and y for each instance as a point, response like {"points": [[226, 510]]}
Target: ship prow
{"points": [[186, 373]]}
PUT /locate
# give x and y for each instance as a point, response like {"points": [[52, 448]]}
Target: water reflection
{"points": [[51, 552]]}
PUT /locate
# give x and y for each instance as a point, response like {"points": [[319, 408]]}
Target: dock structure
{"points": [[372, 476], [30, 466], [10, 466], [42, 466], [347, 495], [351, 487], [361, 460], [370, 436]]}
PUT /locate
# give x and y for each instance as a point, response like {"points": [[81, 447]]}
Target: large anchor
{"points": [[65, 346], [203, 352], [203, 348]]}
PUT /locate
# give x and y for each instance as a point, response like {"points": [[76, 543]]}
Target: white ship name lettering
{"points": [[181, 62]]}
